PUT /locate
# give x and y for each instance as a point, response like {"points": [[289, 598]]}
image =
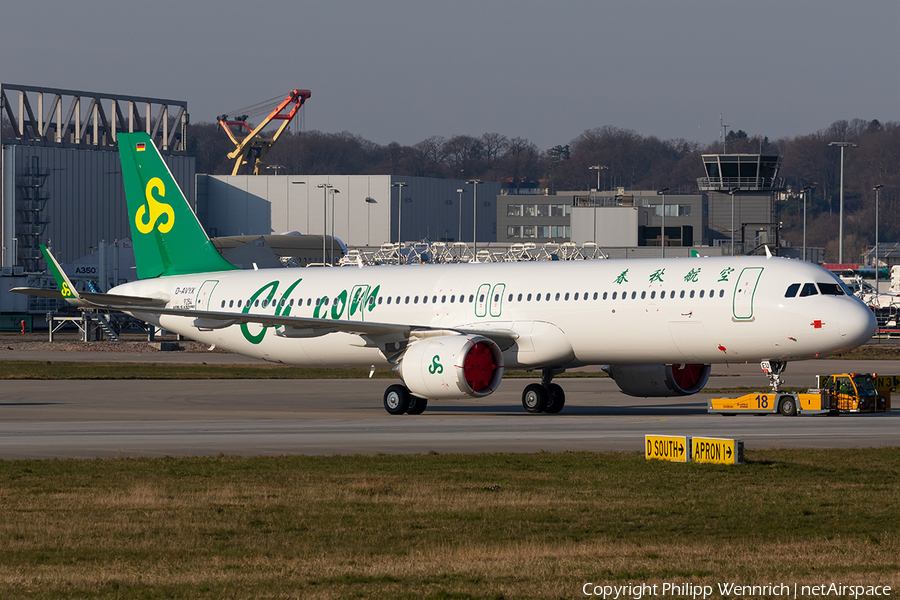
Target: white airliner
{"points": [[450, 330]]}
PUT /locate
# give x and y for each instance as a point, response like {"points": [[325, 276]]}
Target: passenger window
{"points": [[230, 303], [809, 289], [519, 297], [380, 299], [424, 299], [528, 298], [389, 299], [223, 304], [239, 303], [567, 296], [510, 297], [633, 295], [471, 297], [701, 293], [496, 297], [557, 296], [406, 300], [681, 295], [643, 295], [434, 299], [614, 296], [721, 293], [416, 300], [662, 294], [595, 295], [653, 295], [537, 298]]}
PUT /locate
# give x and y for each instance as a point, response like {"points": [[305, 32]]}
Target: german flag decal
{"points": [[140, 147]]}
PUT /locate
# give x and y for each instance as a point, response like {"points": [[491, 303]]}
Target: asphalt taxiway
{"points": [[84, 419]]}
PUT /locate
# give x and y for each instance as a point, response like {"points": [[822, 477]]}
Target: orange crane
{"points": [[251, 147]]}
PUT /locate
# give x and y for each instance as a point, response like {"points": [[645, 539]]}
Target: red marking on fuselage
{"points": [[817, 324], [722, 348]]}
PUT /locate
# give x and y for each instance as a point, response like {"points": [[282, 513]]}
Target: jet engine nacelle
{"points": [[452, 366], [659, 380]]}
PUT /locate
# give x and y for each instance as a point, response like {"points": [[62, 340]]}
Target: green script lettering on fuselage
{"points": [[361, 301]]}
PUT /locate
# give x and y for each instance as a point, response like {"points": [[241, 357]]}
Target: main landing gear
{"points": [[545, 396], [398, 400]]}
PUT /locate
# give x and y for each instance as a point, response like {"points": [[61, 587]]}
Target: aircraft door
{"points": [[497, 299], [359, 295], [205, 293], [744, 290], [482, 299]]}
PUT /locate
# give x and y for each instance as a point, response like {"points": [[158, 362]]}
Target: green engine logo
{"points": [[436, 366]]}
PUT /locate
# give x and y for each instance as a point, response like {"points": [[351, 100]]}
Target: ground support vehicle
{"points": [[856, 392], [834, 394], [816, 401]]}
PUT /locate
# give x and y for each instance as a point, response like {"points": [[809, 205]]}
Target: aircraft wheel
{"points": [[416, 405], [396, 399], [534, 398], [556, 398], [787, 407]]}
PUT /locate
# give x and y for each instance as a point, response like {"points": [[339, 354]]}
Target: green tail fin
{"points": [[65, 286], [168, 239]]}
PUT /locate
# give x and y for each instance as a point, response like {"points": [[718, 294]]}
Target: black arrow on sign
{"points": [[728, 451]]}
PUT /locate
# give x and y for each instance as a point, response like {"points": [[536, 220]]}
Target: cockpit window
{"points": [[792, 290], [809, 289], [831, 289]]}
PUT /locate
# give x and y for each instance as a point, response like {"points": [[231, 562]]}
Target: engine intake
{"points": [[452, 366], [649, 381]]}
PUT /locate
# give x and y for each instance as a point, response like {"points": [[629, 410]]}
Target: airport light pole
{"points": [[842, 145], [662, 237], [369, 202], [732, 191], [474, 183], [325, 187], [805, 190], [877, 189], [598, 168], [333, 192], [399, 185], [460, 191]]}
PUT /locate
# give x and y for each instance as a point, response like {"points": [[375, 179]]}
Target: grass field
{"points": [[443, 526]]}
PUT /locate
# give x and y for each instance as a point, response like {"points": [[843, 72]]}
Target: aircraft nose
{"points": [[857, 324]]}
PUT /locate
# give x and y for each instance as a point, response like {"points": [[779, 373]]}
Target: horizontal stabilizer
{"points": [[93, 300]]}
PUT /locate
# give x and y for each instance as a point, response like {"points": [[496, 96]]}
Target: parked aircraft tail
{"points": [[168, 238]]}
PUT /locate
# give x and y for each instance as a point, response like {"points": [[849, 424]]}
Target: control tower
{"points": [[741, 190]]}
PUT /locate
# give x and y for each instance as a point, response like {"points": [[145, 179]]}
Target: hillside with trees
{"points": [[630, 160]]}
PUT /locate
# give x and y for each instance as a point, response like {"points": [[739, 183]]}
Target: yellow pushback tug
{"points": [[833, 395]]}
